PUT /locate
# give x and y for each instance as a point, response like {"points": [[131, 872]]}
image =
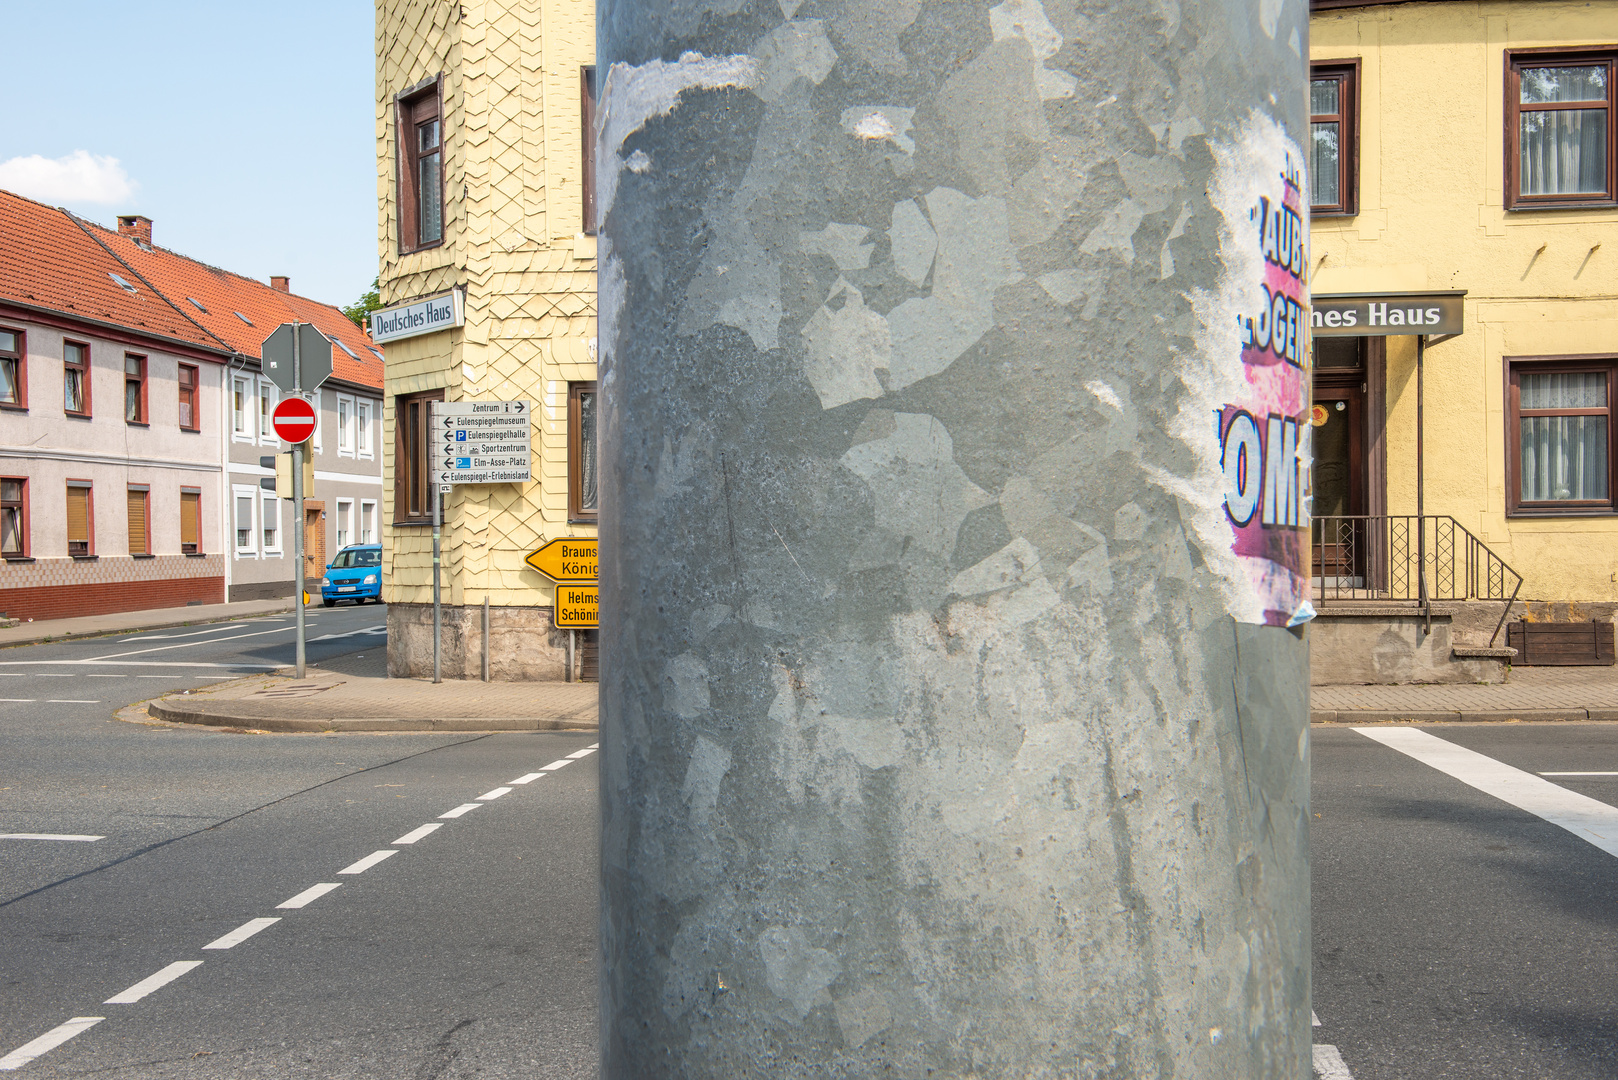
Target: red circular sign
{"points": [[293, 420]]}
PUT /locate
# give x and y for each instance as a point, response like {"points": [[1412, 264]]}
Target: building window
{"points": [[267, 400], [272, 525], [345, 523], [582, 503], [80, 520], [363, 433], [587, 116], [241, 408], [190, 521], [244, 519], [1559, 438], [345, 426], [367, 521], [75, 378], [134, 389], [313, 398], [13, 370], [190, 416], [1334, 138], [411, 472], [1559, 129], [421, 171], [13, 517], [140, 525]]}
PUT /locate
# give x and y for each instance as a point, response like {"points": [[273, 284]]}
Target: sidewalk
{"points": [[1533, 693], [334, 701], [131, 622]]}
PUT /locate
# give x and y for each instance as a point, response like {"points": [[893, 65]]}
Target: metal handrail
{"points": [[1408, 557]]}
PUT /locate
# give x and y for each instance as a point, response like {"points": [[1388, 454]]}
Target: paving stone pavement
{"points": [[1531, 693]]}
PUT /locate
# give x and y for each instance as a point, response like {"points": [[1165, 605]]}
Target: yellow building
{"points": [[487, 254], [1463, 175]]}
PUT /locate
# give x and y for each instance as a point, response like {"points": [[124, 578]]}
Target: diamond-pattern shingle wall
{"points": [[513, 241]]}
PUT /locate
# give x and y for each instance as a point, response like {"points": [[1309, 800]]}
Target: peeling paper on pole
{"points": [[1248, 385]]}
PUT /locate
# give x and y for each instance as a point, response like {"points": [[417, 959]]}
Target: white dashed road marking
{"points": [[241, 933], [1329, 1065], [47, 1042], [69, 701], [489, 796], [369, 861], [47, 836], [19, 700], [153, 982], [586, 752], [309, 895], [528, 779], [464, 808], [556, 765], [416, 834]]}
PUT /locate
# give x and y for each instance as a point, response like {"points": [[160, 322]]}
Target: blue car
{"points": [[356, 574]]}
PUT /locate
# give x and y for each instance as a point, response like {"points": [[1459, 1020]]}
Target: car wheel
{"points": [[329, 603]]}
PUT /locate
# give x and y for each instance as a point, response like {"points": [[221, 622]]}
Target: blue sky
{"points": [[245, 131]]}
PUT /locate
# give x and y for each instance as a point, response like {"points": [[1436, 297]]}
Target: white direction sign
{"points": [[482, 442]]}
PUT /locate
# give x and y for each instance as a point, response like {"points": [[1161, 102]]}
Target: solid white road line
{"points": [[1329, 1065], [48, 836], [369, 861], [69, 701], [241, 933], [19, 700], [489, 796], [189, 644], [528, 779], [153, 982], [1584, 817], [373, 630], [464, 808], [144, 663], [100, 675], [55, 675], [556, 765], [416, 834], [309, 895], [47, 1042], [586, 752], [1579, 774]]}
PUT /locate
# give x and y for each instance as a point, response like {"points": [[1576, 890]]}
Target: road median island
{"points": [[327, 701]]}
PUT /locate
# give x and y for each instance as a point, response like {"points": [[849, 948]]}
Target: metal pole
{"points": [[958, 742], [1421, 488], [297, 503], [438, 508], [485, 639], [572, 652]]}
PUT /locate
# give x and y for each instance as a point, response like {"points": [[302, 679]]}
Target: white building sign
{"points": [[419, 317], [483, 442]]}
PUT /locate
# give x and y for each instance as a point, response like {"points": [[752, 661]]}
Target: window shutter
{"points": [[78, 520], [190, 521], [137, 523]]}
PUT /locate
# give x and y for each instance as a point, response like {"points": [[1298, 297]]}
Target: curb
{"points": [[1457, 716], [138, 629], [185, 714]]}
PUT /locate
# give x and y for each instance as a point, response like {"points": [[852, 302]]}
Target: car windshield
{"points": [[357, 557]]}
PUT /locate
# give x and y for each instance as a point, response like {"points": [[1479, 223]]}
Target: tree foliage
{"points": [[368, 302]]}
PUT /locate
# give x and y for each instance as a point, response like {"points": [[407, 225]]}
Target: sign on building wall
{"points": [[427, 316], [483, 442], [1388, 314]]}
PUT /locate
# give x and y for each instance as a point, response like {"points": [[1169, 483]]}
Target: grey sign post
{"points": [[297, 357]]}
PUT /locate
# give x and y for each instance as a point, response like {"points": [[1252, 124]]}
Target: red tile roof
{"points": [[48, 261], [54, 260]]}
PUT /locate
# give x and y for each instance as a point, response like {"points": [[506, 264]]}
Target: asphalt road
{"points": [[1459, 936], [468, 951]]}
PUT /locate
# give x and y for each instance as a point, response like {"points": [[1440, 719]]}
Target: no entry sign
{"points": [[293, 420]]}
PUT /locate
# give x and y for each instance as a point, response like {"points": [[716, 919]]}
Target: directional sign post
{"points": [[573, 563], [483, 442], [296, 357]]}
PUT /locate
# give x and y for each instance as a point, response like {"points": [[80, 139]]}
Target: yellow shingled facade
{"points": [[514, 240]]}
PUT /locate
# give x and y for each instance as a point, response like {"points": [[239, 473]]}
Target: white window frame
{"points": [[313, 398], [243, 422], [345, 523], [238, 492], [269, 398], [345, 426], [367, 533], [271, 509], [363, 411]]}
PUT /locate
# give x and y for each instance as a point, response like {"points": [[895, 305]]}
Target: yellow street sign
{"points": [[577, 607], [568, 561]]}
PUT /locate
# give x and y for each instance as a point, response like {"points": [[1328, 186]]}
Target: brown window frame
{"points": [[20, 504], [1514, 367], [145, 492], [412, 471], [142, 379], [195, 546], [1347, 75], [1587, 56], [576, 512], [414, 108], [19, 360], [89, 541], [194, 399], [83, 367], [587, 127]]}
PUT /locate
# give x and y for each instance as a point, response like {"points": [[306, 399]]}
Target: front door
{"points": [[314, 542], [1342, 535]]}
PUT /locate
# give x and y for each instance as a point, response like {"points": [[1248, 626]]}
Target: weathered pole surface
{"points": [[954, 395]]}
